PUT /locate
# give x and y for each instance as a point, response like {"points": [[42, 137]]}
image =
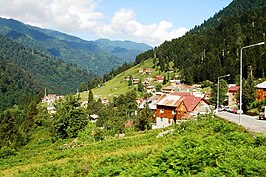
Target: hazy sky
{"points": [[147, 21]]}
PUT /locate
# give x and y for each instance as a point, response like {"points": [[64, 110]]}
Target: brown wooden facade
{"points": [[175, 113], [261, 94], [166, 112], [181, 111]]}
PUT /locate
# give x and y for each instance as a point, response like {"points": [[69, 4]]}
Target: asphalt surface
{"points": [[251, 123]]}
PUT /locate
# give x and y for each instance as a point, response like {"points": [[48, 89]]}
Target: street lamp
{"points": [[218, 90], [240, 99]]}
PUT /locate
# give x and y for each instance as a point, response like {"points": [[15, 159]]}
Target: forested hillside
{"points": [[26, 66], [99, 57], [212, 49], [16, 85]]}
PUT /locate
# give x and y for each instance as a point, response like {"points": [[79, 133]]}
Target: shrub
{"points": [[6, 152]]}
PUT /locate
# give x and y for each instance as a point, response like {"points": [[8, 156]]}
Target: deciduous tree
{"points": [[69, 118]]}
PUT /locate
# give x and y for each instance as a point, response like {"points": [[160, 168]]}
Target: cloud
{"points": [[64, 15], [80, 16], [124, 25]]}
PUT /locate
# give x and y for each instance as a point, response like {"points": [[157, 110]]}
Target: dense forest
{"points": [[16, 85], [212, 49], [56, 75]]}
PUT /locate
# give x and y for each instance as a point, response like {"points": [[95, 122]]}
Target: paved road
{"points": [[251, 123]]}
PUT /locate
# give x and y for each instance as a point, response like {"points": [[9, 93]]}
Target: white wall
{"points": [[163, 122]]}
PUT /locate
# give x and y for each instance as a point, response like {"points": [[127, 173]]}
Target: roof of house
{"points": [[233, 89], [261, 85], [150, 87], [139, 100], [184, 86], [168, 88], [191, 102], [51, 95], [169, 100], [180, 93], [148, 69], [159, 77]]}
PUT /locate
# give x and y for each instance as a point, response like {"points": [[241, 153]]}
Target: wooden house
{"points": [[176, 106], [166, 110], [261, 91]]}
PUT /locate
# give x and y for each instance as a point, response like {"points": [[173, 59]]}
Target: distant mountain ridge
{"points": [[98, 56]]}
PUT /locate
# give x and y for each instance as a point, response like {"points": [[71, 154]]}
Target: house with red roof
{"points": [[158, 78], [232, 91], [148, 70], [178, 106], [194, 105]]}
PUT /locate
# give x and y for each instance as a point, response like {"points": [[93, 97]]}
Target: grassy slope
{"points": [[118, 85], [207, 146]]}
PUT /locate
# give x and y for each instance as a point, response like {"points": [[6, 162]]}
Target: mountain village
{"points": [[173, 103]]}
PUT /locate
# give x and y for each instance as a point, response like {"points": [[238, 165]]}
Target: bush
{"points": [[87, 133], [99, 134], [6, 152]]}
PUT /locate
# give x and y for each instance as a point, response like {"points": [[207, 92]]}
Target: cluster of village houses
{"points": [[175, 102]]}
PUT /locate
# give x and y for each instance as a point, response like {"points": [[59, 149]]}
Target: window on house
{"points": [[161, 110], [173, 111], [161, 119]]}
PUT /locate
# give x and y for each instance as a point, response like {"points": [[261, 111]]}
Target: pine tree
{"points": [[249, 92], [32, 111], [9, 133], [164, 80], [222, 92], [140, 86], [90, 98]]}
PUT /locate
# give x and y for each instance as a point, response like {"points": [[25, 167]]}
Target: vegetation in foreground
{"points": [[203, 147]]}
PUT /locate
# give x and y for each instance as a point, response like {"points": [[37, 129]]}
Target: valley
{"points": [[98, 104]]}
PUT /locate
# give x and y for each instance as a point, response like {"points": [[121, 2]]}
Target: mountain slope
{"points": [[86, 54], [212, 49], [54, 74], [16, 85]]}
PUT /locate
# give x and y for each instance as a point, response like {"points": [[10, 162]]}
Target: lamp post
{"points": [[218, 90], [240, 97]]}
